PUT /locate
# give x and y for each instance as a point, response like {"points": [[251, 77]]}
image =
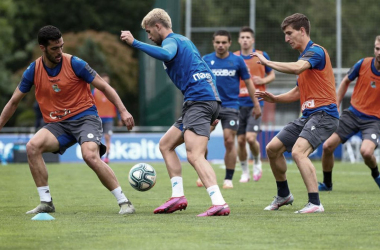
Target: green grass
{"points": [[87, 214]]}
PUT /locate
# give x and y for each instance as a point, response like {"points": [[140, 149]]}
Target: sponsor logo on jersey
{"points": [[308, 104], [373, 84], [223, 72], [199, 76]]}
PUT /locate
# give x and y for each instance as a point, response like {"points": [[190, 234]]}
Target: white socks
{"points": [[177, 186], [119, 195], [216, 195], [244, 166], [257, 158], [44, 193]]}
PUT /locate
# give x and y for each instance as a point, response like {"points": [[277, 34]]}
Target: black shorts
{"points": [[247, 122], [229, 118], [350, 124], [69, 132], [107, 127], [317, 128], [198, 116]]}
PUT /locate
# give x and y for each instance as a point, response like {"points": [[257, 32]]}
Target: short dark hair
{"points": [[297, 21], [247, 29], [47, 33], [222, 33]]}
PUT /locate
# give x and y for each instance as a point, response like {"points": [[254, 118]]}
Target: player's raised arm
{"points": [[285, 67]]}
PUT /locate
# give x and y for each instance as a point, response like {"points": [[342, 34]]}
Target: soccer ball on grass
{"points": [[142, 177]]}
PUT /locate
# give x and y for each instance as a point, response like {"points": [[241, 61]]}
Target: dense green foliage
{"points": [[87, 216], [20, 21], [91, 30]]}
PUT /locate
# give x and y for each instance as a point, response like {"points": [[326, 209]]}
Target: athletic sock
{"points": [[119, 195], [216, 195], [327, 177], [314, 198], [256, 158], [244, 166], [177, 186], [229, 174], [44, 193], [375, 172], [282, 188]]}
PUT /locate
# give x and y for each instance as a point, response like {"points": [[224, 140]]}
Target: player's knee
{"points": [[328, 148], [192, 158], [162, 146], [366, 153], [241, 142], [32, 148], [229, 144], [251, 140], [89, 156], [272, 152]]}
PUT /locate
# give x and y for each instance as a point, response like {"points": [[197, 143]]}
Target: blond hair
{"points": [[157, 16], [377, 39]]}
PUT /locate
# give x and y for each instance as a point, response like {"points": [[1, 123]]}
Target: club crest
{"points": [[55, 87]]}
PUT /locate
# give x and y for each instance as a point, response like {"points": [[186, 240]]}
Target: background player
{"points": [[229, 69], [107, 112], [363, 115], [249, 127]]}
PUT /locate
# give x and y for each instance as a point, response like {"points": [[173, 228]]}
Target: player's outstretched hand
{"points": [[266, 96], [127, 37], [127, 119], [262, 59]]}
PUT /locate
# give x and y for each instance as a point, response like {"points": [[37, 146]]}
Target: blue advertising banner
{"points": [[142, 147]]}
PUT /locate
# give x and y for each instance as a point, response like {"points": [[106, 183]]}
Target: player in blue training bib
{"points": [[194, 78], [229, 69]]}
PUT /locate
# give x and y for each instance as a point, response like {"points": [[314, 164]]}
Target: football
{"points": [[142, 177]]}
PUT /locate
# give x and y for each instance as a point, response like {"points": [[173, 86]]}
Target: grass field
{"points": [[87, 214]]}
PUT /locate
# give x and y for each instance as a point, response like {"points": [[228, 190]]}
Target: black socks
{"points": [[282, 188]]}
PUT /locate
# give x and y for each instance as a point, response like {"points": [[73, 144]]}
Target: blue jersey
{"points": [[185, 67], [228, 72], [81, 69]]}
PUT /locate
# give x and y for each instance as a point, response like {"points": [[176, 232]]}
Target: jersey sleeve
{"points": [[354, 71], [82, 69], [27, 80], [267, 69], [165, 53], [244, 73], [315, 56]]}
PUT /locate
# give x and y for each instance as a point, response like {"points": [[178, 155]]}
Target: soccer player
{"points": [[363, 115], [193, 77], [107, 112], [229, 69], [63, 93], [248, 126], [316, 90]]}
